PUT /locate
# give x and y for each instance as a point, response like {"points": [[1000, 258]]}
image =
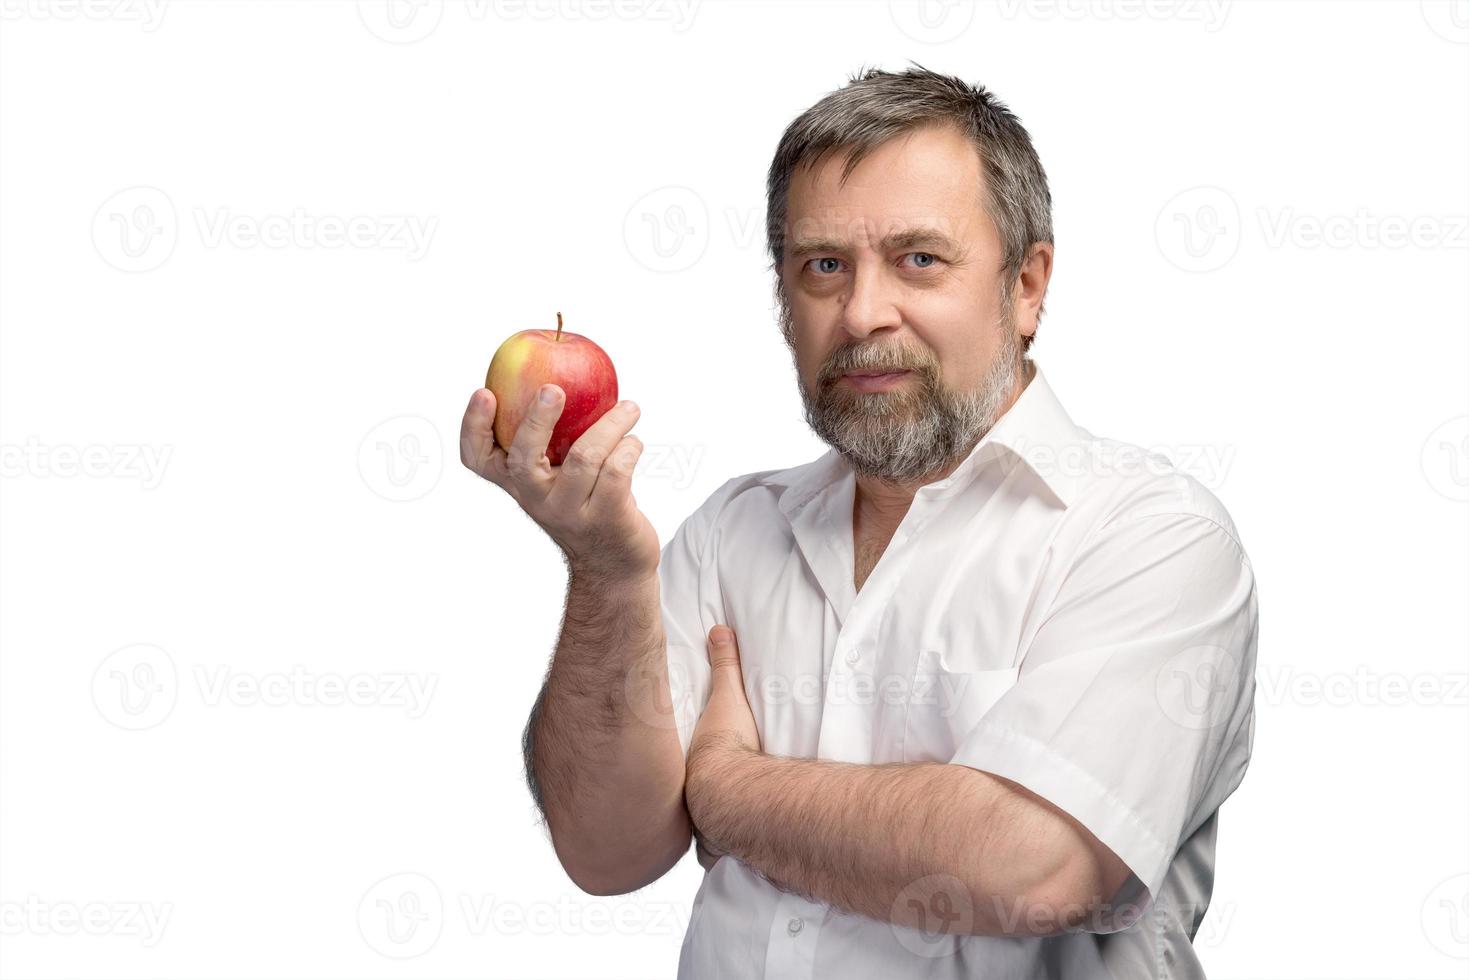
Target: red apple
{"points": [[531, 358]]}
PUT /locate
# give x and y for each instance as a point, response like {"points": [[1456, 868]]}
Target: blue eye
{"points": [[819, 261], [925, 255]]}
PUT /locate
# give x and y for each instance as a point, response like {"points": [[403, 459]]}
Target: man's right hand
{"points": [[586, 504]]}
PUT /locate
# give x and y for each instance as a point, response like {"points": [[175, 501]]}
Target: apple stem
{"points": [[558, 327]]}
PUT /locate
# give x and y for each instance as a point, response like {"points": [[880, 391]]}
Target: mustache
{"points": [[870, 359]]}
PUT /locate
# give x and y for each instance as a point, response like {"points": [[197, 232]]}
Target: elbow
{"points": [[627, 873], [603, 883], [619, 870], [1076, 898]]}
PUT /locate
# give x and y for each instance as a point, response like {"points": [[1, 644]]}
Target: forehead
{"points": [[930, 177]]}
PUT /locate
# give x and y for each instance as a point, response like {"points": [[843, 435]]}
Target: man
{"points": [[961, 697]]}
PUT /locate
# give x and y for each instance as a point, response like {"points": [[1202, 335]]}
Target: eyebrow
{"points": [[903, 238]]}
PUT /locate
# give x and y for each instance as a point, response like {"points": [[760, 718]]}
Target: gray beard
{"points": [[917, 430]]}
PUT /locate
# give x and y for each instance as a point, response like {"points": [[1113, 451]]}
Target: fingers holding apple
{"points": [[567, 459], [477, 449], [586, 465], [526, 458]]}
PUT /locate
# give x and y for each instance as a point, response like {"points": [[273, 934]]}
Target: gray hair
{"points": [[876, 106]]}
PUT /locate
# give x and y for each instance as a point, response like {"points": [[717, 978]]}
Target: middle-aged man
{"points": [[990, 676]]}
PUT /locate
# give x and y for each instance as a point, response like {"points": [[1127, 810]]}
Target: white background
{"points": [[231, 462]]}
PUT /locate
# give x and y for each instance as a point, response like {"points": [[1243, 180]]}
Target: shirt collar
{"points": [[1036, 431]]}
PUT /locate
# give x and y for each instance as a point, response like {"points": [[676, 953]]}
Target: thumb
{"points": [[724, 657]]}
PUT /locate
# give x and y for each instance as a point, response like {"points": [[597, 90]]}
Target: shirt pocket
{"points": [[947, 701]]}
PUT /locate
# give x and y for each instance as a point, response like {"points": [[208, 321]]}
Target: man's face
{"points": [[866, 293]]}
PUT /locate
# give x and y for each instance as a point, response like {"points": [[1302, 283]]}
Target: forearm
{"points": [[602, 752], [928, 845]]}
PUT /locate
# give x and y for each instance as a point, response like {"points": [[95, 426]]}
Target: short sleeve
{"points": [[1133, 708], [687, 590]]}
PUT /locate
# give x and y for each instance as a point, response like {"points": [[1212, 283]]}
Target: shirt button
{"points": [[795, 925], [853, 656]]}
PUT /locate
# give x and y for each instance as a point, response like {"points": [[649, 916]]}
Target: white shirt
{"points": [[1065, 611]]}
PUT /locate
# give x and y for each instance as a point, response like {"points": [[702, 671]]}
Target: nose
{"points": [[869, 304]]}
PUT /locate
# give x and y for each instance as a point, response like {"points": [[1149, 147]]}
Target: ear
{"points": [[1030, 288]]}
